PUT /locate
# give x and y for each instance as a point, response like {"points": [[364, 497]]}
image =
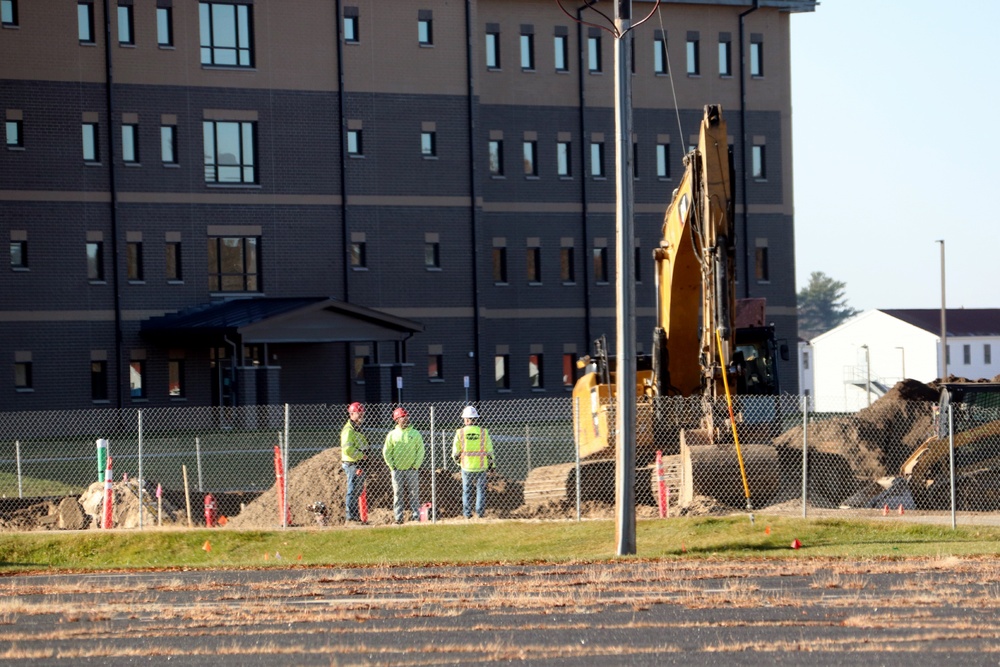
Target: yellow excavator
{"points": [[705, 342]]}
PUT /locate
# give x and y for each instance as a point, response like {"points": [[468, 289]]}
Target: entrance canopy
{"points": [[279, 320]]}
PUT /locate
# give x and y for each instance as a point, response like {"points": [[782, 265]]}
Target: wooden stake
{"points": [[187, 494]]}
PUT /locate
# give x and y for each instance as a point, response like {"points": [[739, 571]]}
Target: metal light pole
{"points": [[625, 373], [944, 324], [902, 356]]}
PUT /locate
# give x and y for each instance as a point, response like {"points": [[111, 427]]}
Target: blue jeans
{"points": [[355, 484], [479, 479], [406, 482]]}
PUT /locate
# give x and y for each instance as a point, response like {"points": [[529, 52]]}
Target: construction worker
{"points": [[472, 449], [353, 446], [403, 453]]}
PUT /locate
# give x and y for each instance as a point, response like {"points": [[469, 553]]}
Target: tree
{"points": [[822, 305]]}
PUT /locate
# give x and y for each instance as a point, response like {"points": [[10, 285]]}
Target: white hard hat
{"points": [[469, 413]]}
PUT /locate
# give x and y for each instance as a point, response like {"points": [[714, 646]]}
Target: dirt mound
{"points": [[877, 440], [320, 478]]}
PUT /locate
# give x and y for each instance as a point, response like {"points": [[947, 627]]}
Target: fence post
{"points": [[805, 452], [527, 449], [951, 455], [284, 467], [140, 468], [434, 504], [197, 456], [576, 451], [17, 453]]}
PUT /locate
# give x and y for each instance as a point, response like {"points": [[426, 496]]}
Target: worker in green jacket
{"points": [[404, 453], [472, 449], [353, 446]]}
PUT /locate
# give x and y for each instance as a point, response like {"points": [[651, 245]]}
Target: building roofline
{"points": [[789, 6]]}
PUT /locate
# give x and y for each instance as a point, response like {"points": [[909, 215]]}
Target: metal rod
{"points": [[951, 454], [433, 472], [197, 458], [17, 451], [805, 453], [140, 469]]}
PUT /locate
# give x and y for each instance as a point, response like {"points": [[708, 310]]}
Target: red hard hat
{"points": [[355, 407], [399, 413]]}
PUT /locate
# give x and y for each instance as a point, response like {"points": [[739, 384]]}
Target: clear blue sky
{"points": [[896, 144]]}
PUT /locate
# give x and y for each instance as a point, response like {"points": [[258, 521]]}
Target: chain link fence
{"points": [[275, 465]]}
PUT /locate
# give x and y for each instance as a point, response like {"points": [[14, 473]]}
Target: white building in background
{"points": [[852, 365]]}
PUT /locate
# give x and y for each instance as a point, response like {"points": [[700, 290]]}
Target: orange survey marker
{"points": [[109, 498], [279, 477]]}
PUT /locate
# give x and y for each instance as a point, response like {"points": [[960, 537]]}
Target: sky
{"points": [[896, 145]]}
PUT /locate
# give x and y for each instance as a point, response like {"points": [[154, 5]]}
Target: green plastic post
{"points": [[102, 458]]}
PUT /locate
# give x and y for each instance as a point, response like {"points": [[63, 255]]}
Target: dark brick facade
{"points": [[309, 197]]}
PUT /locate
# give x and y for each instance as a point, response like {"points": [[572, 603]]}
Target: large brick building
{"points": [[242, 201]]}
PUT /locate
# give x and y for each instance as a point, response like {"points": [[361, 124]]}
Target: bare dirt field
{"points": [[796, 611]]}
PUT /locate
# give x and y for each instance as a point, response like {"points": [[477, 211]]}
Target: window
{"points": [[226, 34], [168, 144], [563, 159], [660, 62], [594, 53], [99, 380], [175, 378], [133, 261], [496, 157], [22, 375], [90, 152], [637, 264], [95, 260], [569, 369], [725, 55], [597, 159], [130, 143], [527, 51], [354, 146], [359, 255], [428, 144], [432, 255], [18, 254], [492, 48], [500, 265], [530, 159], [173, 252], [229, 152], [351, 25], [567, 267], [805, 360], [947, 354], [759, 163], [15, 135], [663, 160], [966, 354], [126, 29], [136, 374], [359, 358], [501, 365], [762, 270], [561, 47], [756, 55], [535, 377], [425, 28], [693, 57], [234, 264], [534, 265], [85, 22], [601, 265], [635, 160], [8, 12], [164, 26], [987, 354], [435, 367]]}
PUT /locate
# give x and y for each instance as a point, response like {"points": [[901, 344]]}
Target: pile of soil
{"points": [[877, 440]]}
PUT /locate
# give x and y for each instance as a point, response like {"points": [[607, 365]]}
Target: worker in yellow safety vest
{"points": [[472, 449], [353, 445]]}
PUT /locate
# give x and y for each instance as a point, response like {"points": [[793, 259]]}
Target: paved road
{"points": [[690, 612]]}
